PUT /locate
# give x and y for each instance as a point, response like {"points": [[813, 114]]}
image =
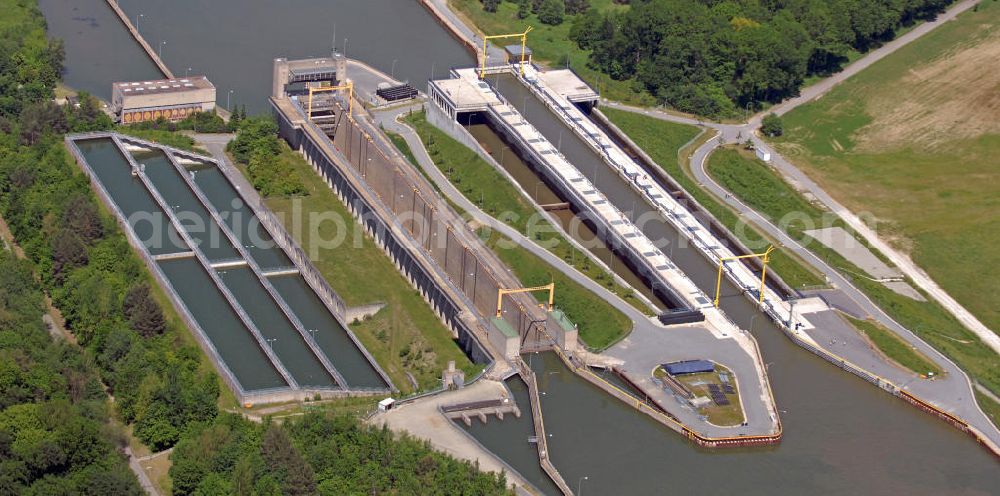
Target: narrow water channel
{"points": [[234, 342], [193, 216]]}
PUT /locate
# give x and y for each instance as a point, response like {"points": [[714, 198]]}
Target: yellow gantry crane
{"points": [[524, 43], [550, 287], [349, 86], [765, 257]]}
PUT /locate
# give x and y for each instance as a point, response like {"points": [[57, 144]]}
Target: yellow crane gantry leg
{"points": [[524, 43], [349, 86], [550, 287], [765, 257]]}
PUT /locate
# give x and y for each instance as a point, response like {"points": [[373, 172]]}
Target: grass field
{"points": [[600, 323], [913, 140], [550, 45], [662, 140], [896, 349], [406, 336], [990, 407]]}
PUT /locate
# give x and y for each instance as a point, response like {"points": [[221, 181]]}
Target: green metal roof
{"points": [[504, 327], [562, 320]]}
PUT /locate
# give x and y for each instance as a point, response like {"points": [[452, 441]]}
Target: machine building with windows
{"points": [[171, 99]]}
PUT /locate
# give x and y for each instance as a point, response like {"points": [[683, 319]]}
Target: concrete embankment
{"points": [[454, 29], [142, 41]]}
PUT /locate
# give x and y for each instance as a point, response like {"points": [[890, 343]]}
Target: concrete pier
{"points": [[142, 41]]}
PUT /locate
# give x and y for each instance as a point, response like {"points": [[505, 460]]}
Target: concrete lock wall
{"points": [[439, 232], [441, 304]]}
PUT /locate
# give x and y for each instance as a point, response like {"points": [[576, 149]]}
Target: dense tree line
{"points": [[83, 260], [318, 454], [258, 147], [714, 57], [54, 432]]}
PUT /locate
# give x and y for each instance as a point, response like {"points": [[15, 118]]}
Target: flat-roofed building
{"points": [[171, 99]]}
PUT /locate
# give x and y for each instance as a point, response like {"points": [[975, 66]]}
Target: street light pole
{"points": [[159, 52], [137, 21], [228, 109], [187, 72], [579, 483]]}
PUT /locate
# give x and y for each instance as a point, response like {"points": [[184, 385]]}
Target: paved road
{"points": [[649, 344], [734, 133]]}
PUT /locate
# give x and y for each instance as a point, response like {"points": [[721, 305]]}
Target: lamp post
{"points": [[579, 483], [137, 21], [159, 51], [187, 72], [228, 95]]}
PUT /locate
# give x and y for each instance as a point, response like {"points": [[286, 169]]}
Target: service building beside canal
{"points": [[171, 99]]}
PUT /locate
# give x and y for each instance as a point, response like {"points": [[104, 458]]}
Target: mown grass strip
{"points": [[896, 349]]}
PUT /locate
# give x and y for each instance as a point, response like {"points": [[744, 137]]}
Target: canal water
{"points": [[195, 219], [234, 42], [149, 222], [231, 338], [842, 436], [238, 216], [281, 335], [99, 50], [510, 438]]}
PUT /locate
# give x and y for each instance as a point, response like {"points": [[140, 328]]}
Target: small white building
{"points": [[762, 154], [386, 404], [171, 99]]}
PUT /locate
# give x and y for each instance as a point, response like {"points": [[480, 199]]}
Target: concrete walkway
{"points": [[422, 419], [649, 343]]}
